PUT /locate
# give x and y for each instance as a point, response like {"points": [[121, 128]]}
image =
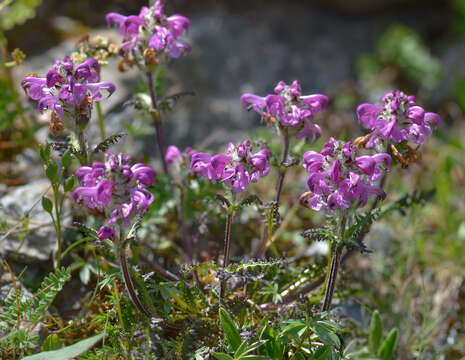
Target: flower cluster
{"points": [[339, 178], [238, 168], [151, 29], [398, 119], [116, 188], [68, 89], [288, 108]]}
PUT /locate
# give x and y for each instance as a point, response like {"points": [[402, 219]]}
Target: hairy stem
{"points": [[128, 281], [227, 245], [83, 159], [334, 267], [155, 113], [267, 236]]}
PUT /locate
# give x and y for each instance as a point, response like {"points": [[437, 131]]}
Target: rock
{"points": [[380, 239], [40, 240]]}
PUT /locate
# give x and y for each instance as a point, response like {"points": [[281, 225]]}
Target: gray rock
{"points": [[36, 244], [380, 239]]}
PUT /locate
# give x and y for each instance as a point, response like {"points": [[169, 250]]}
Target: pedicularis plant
{"points": [[345, 180]]}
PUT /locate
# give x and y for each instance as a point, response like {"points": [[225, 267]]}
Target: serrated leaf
{"points": [[223, 201], [249, 200], [376, 332], [69, 352], [109, 141], [387, 349], [47, 205], [317, 234], [230, 329], [86, 230]]}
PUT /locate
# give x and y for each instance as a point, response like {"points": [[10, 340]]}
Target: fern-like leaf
{"points": [[109, 141]]}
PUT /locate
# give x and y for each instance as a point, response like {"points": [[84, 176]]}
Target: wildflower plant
{"points": [[149, 40], [291, 114], [69, 91], [119, 191], [236, 169], [344, 180]]}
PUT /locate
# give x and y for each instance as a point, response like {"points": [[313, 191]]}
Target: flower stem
{"points": [[283, 167], [334, 267], [157, 121], [330, 284], [227, 245], [282, 173], [128, 281], [100, 120]]}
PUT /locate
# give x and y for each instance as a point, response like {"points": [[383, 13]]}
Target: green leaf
{"points": [[47, 204], [326, 333], [386, 351], [322, 353], [66, 158], [68, 184], [52, 172], [294, 328], [222, 356], [244, 349], [52, 342], [376, 332], [68, 352], [44, 153], [230, 329]]}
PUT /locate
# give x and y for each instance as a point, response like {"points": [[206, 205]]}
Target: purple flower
{"points": [[289, 108], [172, 153], [237, 169], [64, 88], [216, 167], [97, 196], [152, 29], [116, 188], [144, 174], [339, 179], [398, 119], [106, 232]]}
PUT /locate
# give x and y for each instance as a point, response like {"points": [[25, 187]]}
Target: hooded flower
{"points": [[65, 88], [288, 108], [115, 188], [152, 29], [237, 168], [339, 178], [398, 119]]}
